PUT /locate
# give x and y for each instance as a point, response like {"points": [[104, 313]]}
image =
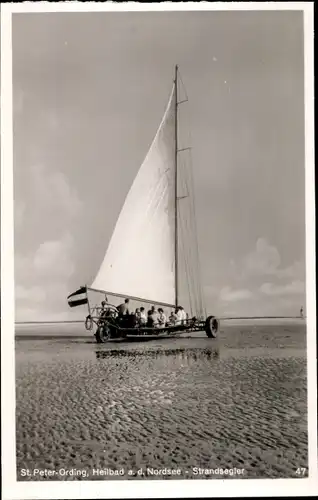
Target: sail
{"points": [[140, 259]]}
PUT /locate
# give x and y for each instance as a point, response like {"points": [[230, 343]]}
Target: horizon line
{"points": [[220, 318]]}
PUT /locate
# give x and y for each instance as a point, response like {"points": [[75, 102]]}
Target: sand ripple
{"points": [[162, 410]]}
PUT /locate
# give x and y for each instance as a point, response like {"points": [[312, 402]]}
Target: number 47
{"points": [[301, 471]]}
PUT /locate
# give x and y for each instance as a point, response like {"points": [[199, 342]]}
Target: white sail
{"points": [[140, 259]]}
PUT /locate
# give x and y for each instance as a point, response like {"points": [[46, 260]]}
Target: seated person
{"points": [[162, 317], [149, 319], [152, 319], [137, 313], [143, 317], [172, 318], [104, 311], [123, 308], [132, 320], [151, 310], [183, 315], [155, 316], [178, 316]]}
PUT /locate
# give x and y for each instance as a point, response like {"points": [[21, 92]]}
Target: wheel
{"points": [[102, 334], [211, 327]]}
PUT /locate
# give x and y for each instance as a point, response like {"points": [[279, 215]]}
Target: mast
{"points": [[176, 185]]}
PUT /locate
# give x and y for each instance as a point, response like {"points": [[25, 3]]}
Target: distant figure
{"points": [[162, 317], [301, 312], [123, 308], [143, 317]]}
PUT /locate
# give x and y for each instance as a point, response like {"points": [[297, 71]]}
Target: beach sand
{"points": [[235, 402]]}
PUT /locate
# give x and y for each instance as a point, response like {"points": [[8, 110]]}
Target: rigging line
{"points": [[196, 231], [186, 270], [188, 257], [191, 292], [197, 270], [183, 86], [186, 263], [190, 218], [194, 258], [189, 171]]}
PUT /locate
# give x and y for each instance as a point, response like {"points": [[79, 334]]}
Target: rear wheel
{"points": [[102, 334], [211, 327]]}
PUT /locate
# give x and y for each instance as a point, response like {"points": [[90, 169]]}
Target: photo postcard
{"points": [[158, 250]]}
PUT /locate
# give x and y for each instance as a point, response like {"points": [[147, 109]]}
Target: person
{"points": [[142, 317], [301, 312], [123, 309], [132, 321], [149, 319], [104, 309], [172, 318], [162, 317], [155, 316], [178, 316], [183, 315], [151, 310]]}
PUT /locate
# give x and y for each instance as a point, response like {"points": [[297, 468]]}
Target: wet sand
{"points": [[235, 402]]}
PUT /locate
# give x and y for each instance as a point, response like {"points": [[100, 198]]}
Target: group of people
{"points": [[155, 318]]}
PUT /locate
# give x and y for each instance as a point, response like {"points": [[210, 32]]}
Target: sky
{"points": [[89, 91]]}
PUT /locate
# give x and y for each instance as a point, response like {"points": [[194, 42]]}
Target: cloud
{"points": [[265, 259], [294, 288], [296, 270], [211, 291], [42, 280], [34, 294], [54, 258], [229, 295], [53, 192], [42, 273], [45, 197]]}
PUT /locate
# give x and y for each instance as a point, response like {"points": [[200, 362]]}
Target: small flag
{"points": [[78, 298]]}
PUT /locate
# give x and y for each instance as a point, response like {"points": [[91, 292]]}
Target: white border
{"points": [[12, 489]]}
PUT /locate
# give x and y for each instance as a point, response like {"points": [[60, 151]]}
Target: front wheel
{"points": [[211, 327], [102, 334]]}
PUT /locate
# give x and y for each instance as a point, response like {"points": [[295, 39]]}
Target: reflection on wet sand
{"points": [[181, 354]]}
